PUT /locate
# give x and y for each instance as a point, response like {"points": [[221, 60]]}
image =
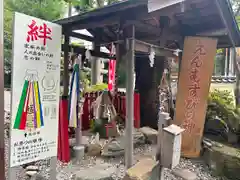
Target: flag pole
{"points": [[79, 148], [2, 144]]}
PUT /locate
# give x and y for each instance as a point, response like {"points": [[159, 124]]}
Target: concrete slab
{"points": [[98, 172]]}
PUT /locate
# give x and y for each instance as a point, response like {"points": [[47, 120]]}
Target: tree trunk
{"points": [[147, 82]]}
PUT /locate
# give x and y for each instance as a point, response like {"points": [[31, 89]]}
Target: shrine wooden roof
{"points": [[165, 27]]}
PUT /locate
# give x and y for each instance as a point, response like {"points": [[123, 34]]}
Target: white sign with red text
{"points": [[35, 89]]}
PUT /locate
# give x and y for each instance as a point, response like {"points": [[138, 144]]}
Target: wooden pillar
{"points": [[231, 62], [237, 90], [95, 66], [130, 46], [226, 62], [65, 70]]}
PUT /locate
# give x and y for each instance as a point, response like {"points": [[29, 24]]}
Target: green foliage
{"points": [[97, 87], [219, 63], [88, 5], [44, 9], [220, 51], [221, 105], [85, 77], [236, 10], [238, 21], [235, 6], [77, 44]]}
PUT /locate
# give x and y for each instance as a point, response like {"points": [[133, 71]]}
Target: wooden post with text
{"points": [[193, 88]]}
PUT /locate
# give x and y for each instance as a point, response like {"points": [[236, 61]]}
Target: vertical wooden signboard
{"points": [[35, 90], [193, 88]]}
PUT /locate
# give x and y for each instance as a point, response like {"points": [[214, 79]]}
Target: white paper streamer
{"points": [[151, 57], [88, 54]]}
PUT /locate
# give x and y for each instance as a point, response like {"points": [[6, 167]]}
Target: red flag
{"points": [[111, 71]]}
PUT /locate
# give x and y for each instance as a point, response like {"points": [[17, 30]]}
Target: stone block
{"points": [[185, 174], [141, 171], [223, 160], [150, 134], [94, 150]]}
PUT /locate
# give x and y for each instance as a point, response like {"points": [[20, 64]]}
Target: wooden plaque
{"points": [[195, 77]]}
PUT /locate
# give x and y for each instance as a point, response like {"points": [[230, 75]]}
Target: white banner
{"points": [[35, 89], [154, 5]]}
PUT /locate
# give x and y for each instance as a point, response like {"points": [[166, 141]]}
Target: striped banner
{"points": [[73, 100], [29, 113]]}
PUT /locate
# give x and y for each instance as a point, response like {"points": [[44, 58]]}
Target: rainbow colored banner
{"points": [[29, 113], [73, 100]]}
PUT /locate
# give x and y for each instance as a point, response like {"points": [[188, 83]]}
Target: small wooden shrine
{"points": [[140, 27]]}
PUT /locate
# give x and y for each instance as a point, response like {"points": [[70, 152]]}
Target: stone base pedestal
{"points": [[78, 152]]}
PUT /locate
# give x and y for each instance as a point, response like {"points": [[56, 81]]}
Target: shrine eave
{"points": [[165, 27]]}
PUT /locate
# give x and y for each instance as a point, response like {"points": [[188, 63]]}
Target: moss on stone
{"points": [[224, 161]]}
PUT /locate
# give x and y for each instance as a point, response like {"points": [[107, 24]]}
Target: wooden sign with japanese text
{"points": [[35, 89], [193, 89]]}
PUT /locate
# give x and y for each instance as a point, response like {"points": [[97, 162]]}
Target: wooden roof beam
{"points": [[110, 19], [141, 46], [215, 32], [82, 50], [81, 36], [144, 27]]}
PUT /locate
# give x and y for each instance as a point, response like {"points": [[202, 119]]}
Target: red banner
{"points": [[111, 71]]}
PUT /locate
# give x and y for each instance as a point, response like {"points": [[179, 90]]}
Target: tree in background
{"points": [[236, 10], [87, 5], [44, 9], [236, 7]]}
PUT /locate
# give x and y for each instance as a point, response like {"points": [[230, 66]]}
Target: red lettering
{"points": [[193, 100], [188, 126], [45, 33], [35, 33], [193, 89]]}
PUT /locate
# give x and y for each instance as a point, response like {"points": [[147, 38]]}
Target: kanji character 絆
{"points": [[38, 32]]}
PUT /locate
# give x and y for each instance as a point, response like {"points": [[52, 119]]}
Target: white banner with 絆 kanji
{"points": [[35, 89]]}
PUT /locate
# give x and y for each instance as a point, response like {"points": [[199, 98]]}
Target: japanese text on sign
{"points": [[193, 88], [35, 52]]}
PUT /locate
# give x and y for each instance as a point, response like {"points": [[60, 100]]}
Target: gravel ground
{"points": [[67, 171]]}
